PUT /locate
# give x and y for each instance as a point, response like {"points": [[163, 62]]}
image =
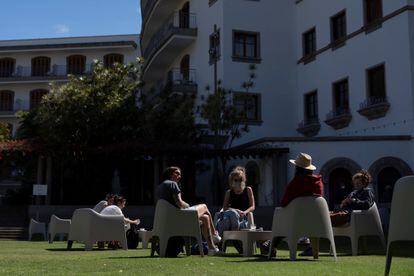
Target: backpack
{"points": [[174, 247], [132, 236]]}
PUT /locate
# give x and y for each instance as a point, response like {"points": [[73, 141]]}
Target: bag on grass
{"points": [[132, 236], [174, 247]]}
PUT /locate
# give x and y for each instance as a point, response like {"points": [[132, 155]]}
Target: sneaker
{"points": [[304, 241], [216, 238], [214, 252], [307, 252]]}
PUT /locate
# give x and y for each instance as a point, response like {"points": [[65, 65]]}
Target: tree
{"points": [[225, 122], [4, 132]]}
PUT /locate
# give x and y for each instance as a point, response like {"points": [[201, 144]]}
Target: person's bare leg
{"points": [[205, 229], [203, 210]]}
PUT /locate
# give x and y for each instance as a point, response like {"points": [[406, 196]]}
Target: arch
{"points": [[185, 68], [253, 178], [75, 64], [40, 66], [338, 166], [7, 66], [387, 166], [6, 100], [111, 59], [36, 97]]}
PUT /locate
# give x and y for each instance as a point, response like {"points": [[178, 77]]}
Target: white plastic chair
{"points": [[36, 227], [89, 227], [362, 223], [169, 221], [303, 217], [401, 226], [58, 226]]}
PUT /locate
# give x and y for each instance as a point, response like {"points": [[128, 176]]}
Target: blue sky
{"points": [[21, 19]]}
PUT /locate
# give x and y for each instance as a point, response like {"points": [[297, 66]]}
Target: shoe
{"points": [[214, 252], [304, 241], [307, 252], [216, 238]]}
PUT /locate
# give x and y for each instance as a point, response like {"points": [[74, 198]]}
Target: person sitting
{"points": [[169, 191], [109, 200], [361, 198], [116, 210], [238, 203], [304, 183]]}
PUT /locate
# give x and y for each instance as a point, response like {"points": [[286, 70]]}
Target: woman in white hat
{"points": [[305, 183]]}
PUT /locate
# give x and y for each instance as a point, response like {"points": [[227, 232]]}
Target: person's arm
{"points": [[363, 201], [179, 202], [226, 201], [136, 222], [251, 201]]}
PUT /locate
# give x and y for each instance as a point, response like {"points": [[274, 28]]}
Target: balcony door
{"points": [[185, 16], [40, 66], [6, 67], [185, 68], [76, 64]]}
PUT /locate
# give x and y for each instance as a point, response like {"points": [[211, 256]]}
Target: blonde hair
{"points": [[237, 171], [364, 176]]}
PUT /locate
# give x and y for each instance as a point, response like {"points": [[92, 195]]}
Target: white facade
{"points": [[383, 145], [21, 80]]}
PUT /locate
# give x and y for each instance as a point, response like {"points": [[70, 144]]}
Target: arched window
{"points": [[75, 64], [6, 100], [340, 185], [185, 68], [36, 97], [7, 67], [110, 59], [386, 180], [40, 66]]}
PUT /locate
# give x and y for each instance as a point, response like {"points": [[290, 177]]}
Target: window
{"points": [[110, 59], [245, 46], [311, 106], [248, 104], [36, 97], [6, 67], [40, 66], [341, 97], [309, 42], [376, 83], [6, 100], [338, 26], [75, 64], [373, 11], [214, 50]]}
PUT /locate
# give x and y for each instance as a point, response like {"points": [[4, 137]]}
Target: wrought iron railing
{"points": [[182, 76], [308, 122], [373, 101], [178, 21], [337, 112]]}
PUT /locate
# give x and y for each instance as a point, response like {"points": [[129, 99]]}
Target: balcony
{"points": [[169, 42], [182, 82], [374, 107], [309, 127], [154, 13], [10, 113], [57, 72], [339, 118]]}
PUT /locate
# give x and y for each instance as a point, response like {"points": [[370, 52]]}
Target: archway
{"points": [[340, 185], [185, 68], [185, 16], [385, 172], [346, 168]]}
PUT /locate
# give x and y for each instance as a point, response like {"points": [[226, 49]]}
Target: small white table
{"points": [[145, 237], [248, 239]]}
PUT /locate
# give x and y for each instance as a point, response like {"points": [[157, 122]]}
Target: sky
{"points": [[24, 19]]}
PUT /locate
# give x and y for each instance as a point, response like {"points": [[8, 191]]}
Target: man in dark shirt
{"points": [[169, 191]]}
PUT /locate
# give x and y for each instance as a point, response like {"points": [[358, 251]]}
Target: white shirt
{"points": [[100, 206], [112, 210]]}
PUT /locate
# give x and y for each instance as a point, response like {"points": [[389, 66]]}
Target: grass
{"points": [[41, 258]]}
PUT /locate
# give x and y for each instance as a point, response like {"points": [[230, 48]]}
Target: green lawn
{"points": [[39, 258]]}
